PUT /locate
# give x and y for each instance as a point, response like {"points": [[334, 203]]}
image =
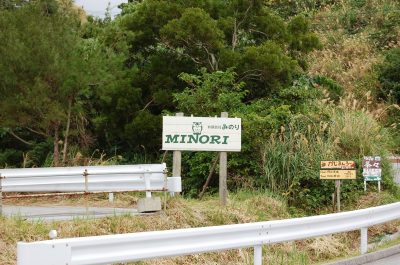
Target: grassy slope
{"points": [[243, 207], [355, 35]]}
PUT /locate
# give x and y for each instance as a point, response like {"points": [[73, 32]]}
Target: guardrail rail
{"points": [[85, 180], [148, 245]]}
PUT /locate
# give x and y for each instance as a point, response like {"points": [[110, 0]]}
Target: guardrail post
{"points": [[85, 174], [258, 255], [110, 197], [364, 240], [147, 177]]}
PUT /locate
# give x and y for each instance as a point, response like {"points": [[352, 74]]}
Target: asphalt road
{"points": [[391, 260], [388, 256], [60, 213]]}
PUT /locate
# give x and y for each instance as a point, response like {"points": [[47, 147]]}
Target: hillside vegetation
{"points": [[311, 80]]}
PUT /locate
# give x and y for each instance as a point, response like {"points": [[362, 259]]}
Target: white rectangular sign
{"points": [[201, 134], [372, 172]]}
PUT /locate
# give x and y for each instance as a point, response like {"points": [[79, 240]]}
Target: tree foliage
{"points": [[49, 73], [390, 76], [73, 86], [219, 35]]}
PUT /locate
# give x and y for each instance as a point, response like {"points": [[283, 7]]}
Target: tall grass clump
{"points": [[291, 162], [291, 158], [357, 133]]}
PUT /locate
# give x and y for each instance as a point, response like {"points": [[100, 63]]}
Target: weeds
{"points": [[243, 207]]}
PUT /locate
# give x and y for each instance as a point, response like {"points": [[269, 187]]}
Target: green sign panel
{"points": [[372, 178]]}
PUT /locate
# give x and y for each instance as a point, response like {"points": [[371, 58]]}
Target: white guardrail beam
{"points": [[147, 245], [151, 177]]}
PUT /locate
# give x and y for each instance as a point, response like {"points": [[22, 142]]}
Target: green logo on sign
{"points": [[196, 137], [197, 127]]}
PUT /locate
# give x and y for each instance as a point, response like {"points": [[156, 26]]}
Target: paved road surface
{"points": [[391, 260], [388, 256], [59, 213]]}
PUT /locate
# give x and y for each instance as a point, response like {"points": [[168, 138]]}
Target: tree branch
{"points": [[148, 104], [210, 58], [237, 25], [19, 138], [251, 74], [37, 132], [260, 32], [205, 186], [245, 14], [65, 147]]}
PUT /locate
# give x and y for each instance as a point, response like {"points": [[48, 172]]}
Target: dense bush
{"points": [[390, 76]]}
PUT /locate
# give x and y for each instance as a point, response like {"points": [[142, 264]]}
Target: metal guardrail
{"points": [[85, 179], [147, 245]]}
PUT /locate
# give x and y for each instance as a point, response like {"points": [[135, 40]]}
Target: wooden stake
{"points": [[334, 201], [223, 172], [337, 184], [164, 156], [210, 174], [177, 159]]}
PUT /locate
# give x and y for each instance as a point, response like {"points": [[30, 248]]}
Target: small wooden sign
{"points": [[337, 170], [338, 165], [337, 174]]}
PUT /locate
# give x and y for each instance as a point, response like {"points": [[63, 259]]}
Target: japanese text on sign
{"points": [[337, 174], [371, 162], [338, 165]]}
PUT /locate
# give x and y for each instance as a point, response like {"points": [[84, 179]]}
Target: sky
{"points": [[97, 8]]}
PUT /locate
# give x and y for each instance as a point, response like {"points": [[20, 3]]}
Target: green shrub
{"points": [[389, 76]]}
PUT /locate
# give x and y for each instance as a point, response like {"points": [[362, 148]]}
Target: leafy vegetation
{"points": [[311, 80]]}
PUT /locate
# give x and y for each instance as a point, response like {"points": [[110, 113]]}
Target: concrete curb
{"points": [[370, 257], [64, 213]]}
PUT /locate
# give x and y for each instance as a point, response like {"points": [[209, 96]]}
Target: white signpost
{"points": [[372, 170], [203, 134]]}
